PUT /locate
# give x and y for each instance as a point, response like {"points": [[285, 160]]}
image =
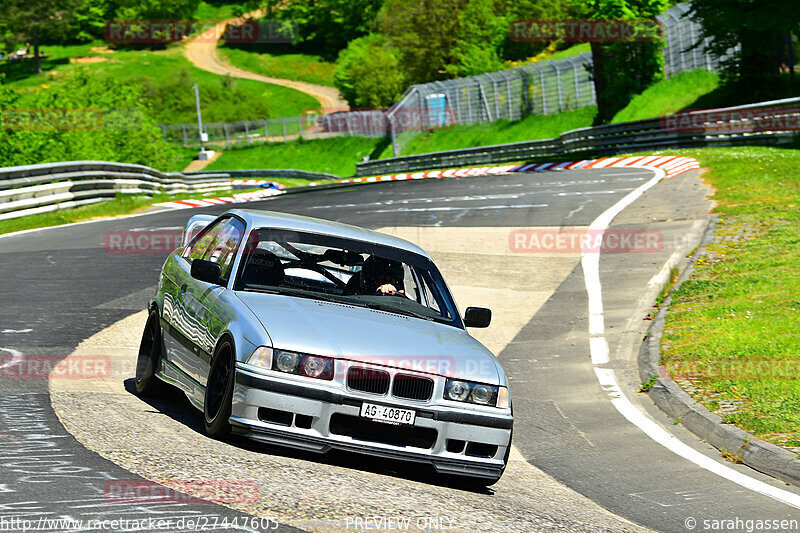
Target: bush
{"points": [[113, 123], [368, 73], [219, 101]]}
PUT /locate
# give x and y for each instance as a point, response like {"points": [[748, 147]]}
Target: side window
{"points": [[433, 303], [219, 244], [225, 245], [199, 248]]}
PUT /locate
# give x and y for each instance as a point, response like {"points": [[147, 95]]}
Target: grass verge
{"points": [[166, 78], [498, 132], [668, 96], [335, 156], [280, 62], [731, 334]]}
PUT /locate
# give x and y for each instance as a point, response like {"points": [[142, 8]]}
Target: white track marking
{"points": [[16, 330], [15, 357], [598, 345], [465, 208]]}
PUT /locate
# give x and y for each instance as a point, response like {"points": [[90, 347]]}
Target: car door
{"points": [[200, 316]]}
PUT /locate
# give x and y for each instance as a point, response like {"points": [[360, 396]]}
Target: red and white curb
{"points": [[235, 199], [256, 183], [672, 165]]}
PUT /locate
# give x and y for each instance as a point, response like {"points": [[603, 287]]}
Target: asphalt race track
{"points": [[575, 456]]}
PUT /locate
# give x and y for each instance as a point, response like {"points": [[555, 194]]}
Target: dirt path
{"points": [[202, 52]]}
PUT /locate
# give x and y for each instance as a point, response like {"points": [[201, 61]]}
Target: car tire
{"points": [[149, 358], [219, 392]]}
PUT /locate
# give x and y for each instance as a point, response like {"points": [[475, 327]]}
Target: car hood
{"points": [[379, 337]]}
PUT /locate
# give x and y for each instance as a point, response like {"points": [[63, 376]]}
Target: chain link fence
{"points": [[536, 88]]}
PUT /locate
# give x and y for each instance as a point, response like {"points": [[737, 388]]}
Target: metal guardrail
{"points": [[762, 123], [33, 189], [268, 173]]}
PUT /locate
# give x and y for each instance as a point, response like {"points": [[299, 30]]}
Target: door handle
{"points": [[183, 288]]}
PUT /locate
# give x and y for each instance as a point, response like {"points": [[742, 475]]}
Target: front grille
{"points": [[412, 387], [361, 429], [368, 380]]}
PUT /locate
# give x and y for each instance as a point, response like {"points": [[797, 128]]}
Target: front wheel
{"points": [[219, 392], [149, 357]]}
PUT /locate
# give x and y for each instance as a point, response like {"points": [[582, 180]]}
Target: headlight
{"points": [[317, 367], [262, 356], [477, 393], [312, 366], [286, 361], [483, 394], [457, 390]]}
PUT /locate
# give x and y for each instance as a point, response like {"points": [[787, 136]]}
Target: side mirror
{"points": [[207, 271], [477, 317]]}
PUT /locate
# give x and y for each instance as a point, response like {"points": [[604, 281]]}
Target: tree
{"points": [[761, 28], [155, 9], [35, 21], [424, 33], [512, 10], [621, 70], [478, 38], [368, 73], [89, 20], [325, 26]]}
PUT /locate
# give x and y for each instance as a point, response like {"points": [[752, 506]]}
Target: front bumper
{"points": [[316, 419]]}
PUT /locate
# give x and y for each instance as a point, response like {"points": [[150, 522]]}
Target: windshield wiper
{"points": [[379, 307], [298, 293]]}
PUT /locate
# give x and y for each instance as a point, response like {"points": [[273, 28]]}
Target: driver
{"points": [[382, 276]]}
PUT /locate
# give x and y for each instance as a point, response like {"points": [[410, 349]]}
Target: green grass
{"points": [[280, 62], [498, 132], [215, 10], [571, 51], [668, 96], [336, 156], [733, 325], [167, 76]]}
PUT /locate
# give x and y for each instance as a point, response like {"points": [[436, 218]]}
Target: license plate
{"points": [[388, 415]]}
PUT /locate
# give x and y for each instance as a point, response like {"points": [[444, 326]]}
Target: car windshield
{"points": [[344, 270]]}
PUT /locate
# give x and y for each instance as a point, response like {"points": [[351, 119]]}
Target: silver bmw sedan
{"points": [[315, 335]]}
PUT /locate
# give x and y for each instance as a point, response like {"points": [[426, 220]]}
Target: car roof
{"points": [[274, 219]]}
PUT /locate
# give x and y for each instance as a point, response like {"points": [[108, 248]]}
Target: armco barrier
{"points": [[763, 123], [33, 189], [268, 173]]}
